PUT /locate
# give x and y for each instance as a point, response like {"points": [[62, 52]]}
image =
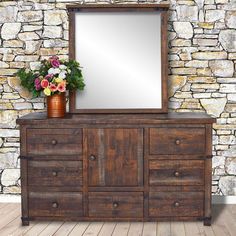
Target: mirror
{"points": [[120, 52]]}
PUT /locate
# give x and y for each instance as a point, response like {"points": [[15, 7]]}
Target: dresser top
{"points": [[172, 117]]}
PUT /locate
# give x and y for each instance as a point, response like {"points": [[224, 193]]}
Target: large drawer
{"points": [[172, 204], [165, 140], [176, 172], [55, 173], [116, 204], [55, 204], [54, 141]]}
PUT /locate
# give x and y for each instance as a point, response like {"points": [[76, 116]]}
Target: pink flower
{"points": [[52, 87], [44, 83], [54, 60], [61, 87], [37, 84], [49, 76]]}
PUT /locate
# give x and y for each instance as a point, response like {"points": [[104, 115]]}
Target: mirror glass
{"points": [[120, 56]]}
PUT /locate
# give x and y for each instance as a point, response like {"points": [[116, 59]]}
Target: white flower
{"points": [[62, 67], [62, 75], [57, 70], [54, 71]]}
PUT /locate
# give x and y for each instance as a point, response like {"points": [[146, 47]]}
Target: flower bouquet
{"points": [[53, 78]]}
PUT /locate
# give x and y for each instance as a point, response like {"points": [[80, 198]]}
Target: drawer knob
{"points": [[177, 174], [55, 205], [92, 158], [177, 142], [54, 142], [176, 204], [54, 173], [115, 204]]}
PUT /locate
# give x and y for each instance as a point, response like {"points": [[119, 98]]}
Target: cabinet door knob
{"points": [[177, 174], [54, 173], [92, 158], [54, 142], [176, 204], [177, 142], [55, 205], [115, 204]]}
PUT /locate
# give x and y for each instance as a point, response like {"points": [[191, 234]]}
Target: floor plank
{"points": [[191, 228], [135, 229], [163, 229], [79, 229], [149, 228], [65, 229], [121, 228], [51, 229], [93, 229], [177, 229], [36, 229], [205, 230], [107, 229]]}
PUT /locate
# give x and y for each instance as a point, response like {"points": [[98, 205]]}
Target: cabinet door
{"points": [[115, 157]]}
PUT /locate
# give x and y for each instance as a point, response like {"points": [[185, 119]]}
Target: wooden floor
{"points": [[224, 223]]}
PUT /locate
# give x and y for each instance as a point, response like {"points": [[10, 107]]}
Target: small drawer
{"points": [[172, 204], [54, 141], [116, 204], [55, 204], [55, 173], [176, 172], [164, 141]]}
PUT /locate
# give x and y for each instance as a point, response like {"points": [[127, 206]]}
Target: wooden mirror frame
{"points": [[163, 9]]}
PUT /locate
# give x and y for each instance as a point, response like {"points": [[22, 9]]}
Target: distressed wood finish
{"points": [[116, 204], [122, 167], [113, 153]]}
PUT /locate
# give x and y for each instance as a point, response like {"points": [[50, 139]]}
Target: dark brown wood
{"points": [[55, 204], [176, 204], [122, 167], [55, 173], [115, 157], [54, 141], [116, 204], [177, 141], [162, 8], [176, 172]]}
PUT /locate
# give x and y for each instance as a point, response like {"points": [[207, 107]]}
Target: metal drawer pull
{"points": [[115, 204], [54, 142], [92, 158], [176, 174], [54, 173], [176, 204], [177, 142], [55, 205]]}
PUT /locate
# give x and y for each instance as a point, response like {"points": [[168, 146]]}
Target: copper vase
{"points": [[56, 105]]}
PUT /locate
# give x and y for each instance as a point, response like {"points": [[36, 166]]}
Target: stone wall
{"points": [[202, 59]]}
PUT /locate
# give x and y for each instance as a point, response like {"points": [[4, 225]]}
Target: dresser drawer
{"points": [[189, 140], [55, 204], [176, 172], [54, 141], [55, 173], [116, 204], [171, 204]]}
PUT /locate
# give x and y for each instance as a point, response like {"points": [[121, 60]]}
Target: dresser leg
{"points": [[207, 221], [25, 221]]}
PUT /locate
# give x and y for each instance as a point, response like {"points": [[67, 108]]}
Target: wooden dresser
{"points": [[146, 167]]}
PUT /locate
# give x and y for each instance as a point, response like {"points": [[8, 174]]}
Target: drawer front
{"points": [[55, 204], [171, 204], [176, 141], [116, 204], [55, 173], [176, 172], [54, 141]]}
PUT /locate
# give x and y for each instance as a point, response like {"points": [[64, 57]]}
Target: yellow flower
{"points": [[58, 80], [47, 91]]}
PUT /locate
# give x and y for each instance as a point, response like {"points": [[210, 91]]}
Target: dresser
{"points": [[114, 167]]}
